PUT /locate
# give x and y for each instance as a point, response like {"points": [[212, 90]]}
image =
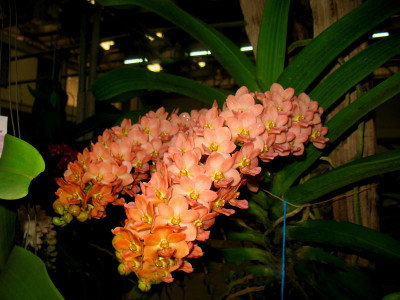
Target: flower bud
{"points": [[59, 208], [57, 221], [122, 270], [144, 287], [74, 210], [83, 216], [51, 248], [67, 218]]}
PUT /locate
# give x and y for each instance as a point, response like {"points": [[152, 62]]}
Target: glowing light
{"points": [[380, 34], [246, 48], [160, 35], [200, 53], [134, 61], [154, 67], [201, 64], [106, 45], [149, 37]]}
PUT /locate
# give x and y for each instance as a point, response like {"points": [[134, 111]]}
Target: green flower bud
{"points": [[52, 241], [122, 270], [53, 254], [51, 248], [83, 216], [57, 221], [74, 210], [59, 208], [144, 287], [67, 218]]}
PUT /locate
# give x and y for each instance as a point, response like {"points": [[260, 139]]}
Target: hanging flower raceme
{"points": [[183, 171]]}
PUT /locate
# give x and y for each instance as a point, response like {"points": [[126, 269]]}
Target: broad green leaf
{"points": [[314, 58], [271, 46], [356, 69], [19, 164], [239, 255], [224, 50], [7, 232], [123, 80], [25, 277], [346, 236], [337, 126], [249, 236], [343, 176]]}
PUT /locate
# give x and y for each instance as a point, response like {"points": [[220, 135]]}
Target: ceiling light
{"points": [[246, 48], [134, 61], [160, 35], [200, 53], [106, 45], [154, 67], [380, 34], [91, 1], [149, 37], [201, 64]]}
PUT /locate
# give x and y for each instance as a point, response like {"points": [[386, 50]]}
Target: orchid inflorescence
{"points": [[182, 170]]}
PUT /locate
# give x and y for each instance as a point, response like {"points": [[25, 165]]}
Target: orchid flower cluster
{"points": [[38, 232], [182, 170]]}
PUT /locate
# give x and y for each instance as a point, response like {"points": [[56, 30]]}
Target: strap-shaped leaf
{"points": [[7, 231], [346, 236], [271, 46], [224, 50], [239, 255], [25, 277], [258, 212], [19, 164], [355, 70], [250, 236], [337, 126], [329, 275], [314, 58], [343, 176], [123, 80]]}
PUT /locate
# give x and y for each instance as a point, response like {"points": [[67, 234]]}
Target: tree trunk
{"points": [[326, 12], [252, 12]]}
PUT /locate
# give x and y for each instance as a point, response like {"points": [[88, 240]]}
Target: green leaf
{"points": [[7, 232], [346, 236], [25, 277], [314, 58], [239, 255], [260, 214], [356, 69], [123, 80], [343, 176], [393, 296], [19, 164], [344, 280], [338, 125], [271, 273], [248, 236], [271, 46], [224, 50]]}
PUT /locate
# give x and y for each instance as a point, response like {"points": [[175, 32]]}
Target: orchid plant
{"points": [[182, 171]]}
